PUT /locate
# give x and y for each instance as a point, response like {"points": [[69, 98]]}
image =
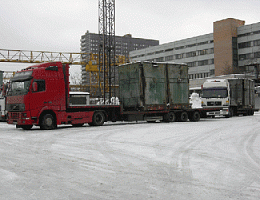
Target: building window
{"points": [[192, 64], [257, 43], [203, 52], [191, 54], [179, 56], [202, 62], [245, 56], [157, 52], [257, 54], [166, 50], [243, 35], [211, 61], [256, 32], [159, 59], [244, 45], [181, 47], [211, 51], [191, 45], [168, 58], [202, 43], [206, 75]]}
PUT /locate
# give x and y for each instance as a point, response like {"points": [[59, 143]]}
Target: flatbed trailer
{"points": [[39, 96]]}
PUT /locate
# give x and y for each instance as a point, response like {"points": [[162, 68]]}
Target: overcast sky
{"points": [[57, 25]]}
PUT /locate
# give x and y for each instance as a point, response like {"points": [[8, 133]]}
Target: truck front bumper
{"points": [[223, 111], [20, 118]]}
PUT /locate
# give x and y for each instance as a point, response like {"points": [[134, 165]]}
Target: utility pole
{"points": [[106, 48]]}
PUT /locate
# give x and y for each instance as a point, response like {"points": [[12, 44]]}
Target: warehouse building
{"points": [[229, 49], [123, 45]]}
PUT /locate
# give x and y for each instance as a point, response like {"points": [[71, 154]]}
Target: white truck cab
{"points": [[215, 93]]}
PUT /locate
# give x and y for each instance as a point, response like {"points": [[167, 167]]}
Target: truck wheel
{"points": [[47, 122], [169, 117], [230, 113], [183, 117], [98, 119], [195, 116], [26, 127]]}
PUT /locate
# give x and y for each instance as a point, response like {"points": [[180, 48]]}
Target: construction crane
{"points": [[24, 56], [96, 87], [87, 59], [107, 48]]}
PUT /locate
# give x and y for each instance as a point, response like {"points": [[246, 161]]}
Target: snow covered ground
{"points": [[211, 159]]}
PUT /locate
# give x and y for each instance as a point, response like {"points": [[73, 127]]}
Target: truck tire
{"points": [[251, 112], [169, 117], [195, 116], [183, 117], [230, 113], [98, 119], [47, 122]]}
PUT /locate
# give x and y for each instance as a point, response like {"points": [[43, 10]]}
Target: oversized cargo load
{"points": [[153, 86]]}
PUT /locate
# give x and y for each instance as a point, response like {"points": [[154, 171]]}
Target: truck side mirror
{"points": [[35, 87]]}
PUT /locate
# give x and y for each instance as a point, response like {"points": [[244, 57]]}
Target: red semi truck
{"points": [[39, 95]]}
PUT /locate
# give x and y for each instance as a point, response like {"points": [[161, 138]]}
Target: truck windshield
{"points": [[19, 88], [214, 93], [20, 83]]}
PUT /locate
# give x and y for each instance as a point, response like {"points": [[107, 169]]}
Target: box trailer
{"points": [[234, 96]]}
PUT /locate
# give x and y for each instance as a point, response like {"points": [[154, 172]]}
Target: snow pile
{"points": [[195, 100]]}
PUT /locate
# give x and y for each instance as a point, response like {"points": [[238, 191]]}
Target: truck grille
{"points": [[14, 115], [214, 103]]}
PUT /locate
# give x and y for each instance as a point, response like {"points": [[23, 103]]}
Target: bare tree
{"points": [[229, 69]]}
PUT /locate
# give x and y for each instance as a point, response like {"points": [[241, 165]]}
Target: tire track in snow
{"points": [[189, 147]]}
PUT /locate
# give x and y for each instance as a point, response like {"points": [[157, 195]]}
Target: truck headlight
{"points": [[226, 104]]}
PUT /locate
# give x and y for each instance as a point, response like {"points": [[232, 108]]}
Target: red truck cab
{"points": [[39, 95]]}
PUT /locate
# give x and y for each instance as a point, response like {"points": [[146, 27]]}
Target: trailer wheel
{"points": [[47, 122], [169, 117], [183, 117], [195, 116], [98, 119]]}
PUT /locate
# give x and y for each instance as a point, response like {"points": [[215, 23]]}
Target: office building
{"points": [[229, 49]]}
